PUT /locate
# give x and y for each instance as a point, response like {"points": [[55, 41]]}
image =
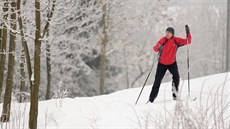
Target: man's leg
{"points": [[161, 69], [176, 79]]}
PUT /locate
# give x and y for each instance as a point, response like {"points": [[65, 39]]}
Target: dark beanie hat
{"points": [[170, 29]]}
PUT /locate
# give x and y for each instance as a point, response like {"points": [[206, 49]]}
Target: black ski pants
{"points": [[161, 70]]}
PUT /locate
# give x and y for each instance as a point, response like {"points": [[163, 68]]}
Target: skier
{"points": [[167, 47]]}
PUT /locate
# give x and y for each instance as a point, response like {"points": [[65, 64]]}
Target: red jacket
{"points": [[168, 55]]}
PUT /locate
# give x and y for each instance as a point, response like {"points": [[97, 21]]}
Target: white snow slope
{"points": [[211, 109]]}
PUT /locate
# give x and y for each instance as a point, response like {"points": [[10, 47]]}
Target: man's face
{"points": [[168, 35]]}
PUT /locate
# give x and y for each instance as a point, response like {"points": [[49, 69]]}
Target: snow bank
{"points": [[118, 110]]}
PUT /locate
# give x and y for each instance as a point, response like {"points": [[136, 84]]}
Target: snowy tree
{"points": [[37, 66], [10, 73], [3, 42], [74, 40]]}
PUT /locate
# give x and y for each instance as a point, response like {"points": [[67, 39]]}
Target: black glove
{"points": [[187, 29], [160, 47]]}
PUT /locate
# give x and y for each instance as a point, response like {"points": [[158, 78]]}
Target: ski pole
{"points": [[188, 63], [144, 83]]}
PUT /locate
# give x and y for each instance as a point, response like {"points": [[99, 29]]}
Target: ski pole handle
{"points": [[187, 30]]}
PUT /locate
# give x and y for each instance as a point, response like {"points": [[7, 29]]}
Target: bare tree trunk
{"points": [[48, 66], [10, 74], [22, 62], [22, 87], [228, 38], [0, 37], [36, 82], [25, 49], [4, 41], [126, 69], [50, 15], [103, 48]]}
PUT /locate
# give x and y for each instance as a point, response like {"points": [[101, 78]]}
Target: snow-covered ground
{"points": [[118, 110]]}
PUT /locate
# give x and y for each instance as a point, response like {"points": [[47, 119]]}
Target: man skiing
{"points": [[167, 47]]}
